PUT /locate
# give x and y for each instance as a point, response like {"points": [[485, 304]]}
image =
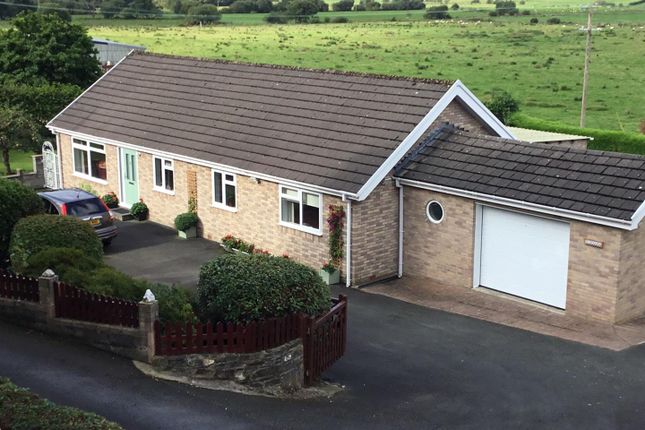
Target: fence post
{"points": [[148, 314], [46, 283]]}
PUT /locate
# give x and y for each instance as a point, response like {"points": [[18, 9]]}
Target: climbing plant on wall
{"points": [[335, 224]]}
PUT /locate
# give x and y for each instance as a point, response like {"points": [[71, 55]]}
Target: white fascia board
{"points": [[457, 90], [564, 213], [638, 216], [48, 125], [216, 166]]}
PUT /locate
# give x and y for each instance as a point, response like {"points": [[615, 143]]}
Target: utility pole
{"points": [[585, 78]]}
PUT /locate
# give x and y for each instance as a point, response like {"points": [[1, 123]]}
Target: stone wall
{"points": [[35, 178], [278, 371]]}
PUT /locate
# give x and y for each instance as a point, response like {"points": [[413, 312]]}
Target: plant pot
{"points": [[330, 278], [112, 205], [141, 217], [188, 234]]}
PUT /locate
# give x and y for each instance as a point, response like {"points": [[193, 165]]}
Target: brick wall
{"points": [[457, 113], [70, 180], [631, 285], [442, 252]]}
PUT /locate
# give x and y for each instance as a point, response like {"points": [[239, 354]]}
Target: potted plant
{"points": [[186, 225], [139, 210], [329, 273], [111, 200]]}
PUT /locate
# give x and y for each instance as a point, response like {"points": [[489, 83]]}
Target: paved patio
{"points": [[154, 252], [499, 308]]}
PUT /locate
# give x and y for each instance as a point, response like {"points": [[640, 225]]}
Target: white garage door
{"points": [[524, 255]]}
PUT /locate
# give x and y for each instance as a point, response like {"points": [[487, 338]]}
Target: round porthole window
{"points": [[434, 211]]}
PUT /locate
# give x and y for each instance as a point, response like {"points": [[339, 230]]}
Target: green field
{"points": [[541, 65], [18, 160]]}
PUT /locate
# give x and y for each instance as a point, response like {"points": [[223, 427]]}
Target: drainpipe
{"points": [[400, 187], [348, 243]]}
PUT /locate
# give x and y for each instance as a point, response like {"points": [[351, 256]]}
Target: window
{"points": [[89, 159], [300, 209], [164, 171], [224, 187], [434, 211]]}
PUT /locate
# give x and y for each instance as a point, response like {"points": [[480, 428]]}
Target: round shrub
{"points": [[252, 287], [16, 201], [36, 233], [71, 265], [202, 14], [111, 200], [186, 220]]}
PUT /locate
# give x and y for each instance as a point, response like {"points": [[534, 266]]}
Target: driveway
{"points": [[154, 252], [406, 367]]}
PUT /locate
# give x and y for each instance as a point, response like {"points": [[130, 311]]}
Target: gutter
{"points": [[590, 218]]}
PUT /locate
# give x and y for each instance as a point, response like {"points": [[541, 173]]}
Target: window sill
{"points": [[298, 227], [163, 190], [223, 207], [90, 178]]}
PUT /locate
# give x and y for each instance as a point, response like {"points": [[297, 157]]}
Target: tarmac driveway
{"points": [[154, 252]]}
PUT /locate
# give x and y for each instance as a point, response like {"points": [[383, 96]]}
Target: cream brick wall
{"points": [[442, 252], [456, 113], [631, 285], [69, 180]]}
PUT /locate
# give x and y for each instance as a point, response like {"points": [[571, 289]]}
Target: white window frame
{"points": [[88, 149], [316, 231], [162, 188], [225, 182]]}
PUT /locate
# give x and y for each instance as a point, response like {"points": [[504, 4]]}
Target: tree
{"points": [[502, 105], [343, 5], [203, 14], [437, 12], [47, 48], [302, 10], [11, 8], [17, 131]]}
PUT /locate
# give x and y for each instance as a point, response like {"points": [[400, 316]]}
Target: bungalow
{"points": [[265, 150]]}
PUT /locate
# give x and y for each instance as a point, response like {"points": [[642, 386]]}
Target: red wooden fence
{"points": [[325, 340], [189, 338], [77, 304], [19, 287]]}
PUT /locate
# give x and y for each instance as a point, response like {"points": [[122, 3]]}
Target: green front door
{"points": [[130, 177]]}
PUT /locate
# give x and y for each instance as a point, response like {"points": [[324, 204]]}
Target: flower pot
{"points": [[141, 217], [330, 278], [188, 234]]}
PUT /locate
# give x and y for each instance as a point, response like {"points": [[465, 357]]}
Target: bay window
{"points": [[89, 159], [164, 175], [301, 209], [224, 189]]}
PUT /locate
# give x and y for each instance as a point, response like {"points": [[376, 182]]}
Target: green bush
{"points": [[139, 209], [502, 105], [276, 18], [111, 200], [16, 201], [202, 14], [340, 20], [343, 5], [21, 409], [39, 232], [605, 140], [437, 12], [253, 287], [71, 265], [186, 220]]}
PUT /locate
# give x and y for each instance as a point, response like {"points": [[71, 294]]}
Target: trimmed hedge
{"points": [[21, 409], [604, 140], [16, 201], [39, 232], [253, 287], [71, 265]]}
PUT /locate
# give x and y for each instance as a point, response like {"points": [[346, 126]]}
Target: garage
{"points": [[524, 255]]}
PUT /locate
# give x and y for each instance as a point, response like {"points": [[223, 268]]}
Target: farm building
{"points": [[432, 184], [109, 53]]}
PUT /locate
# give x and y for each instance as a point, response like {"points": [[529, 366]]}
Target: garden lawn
{"points": [[540, 65], [19, 160], [21, 409]]}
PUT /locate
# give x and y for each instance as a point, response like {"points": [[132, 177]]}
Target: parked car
{"points": [[83, 205]]}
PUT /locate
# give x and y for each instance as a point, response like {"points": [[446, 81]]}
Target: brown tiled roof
{"points": [[608, 184], [325, 128]]}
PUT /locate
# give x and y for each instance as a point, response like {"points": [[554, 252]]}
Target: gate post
{"points": [[46, 283], [148, 314]]}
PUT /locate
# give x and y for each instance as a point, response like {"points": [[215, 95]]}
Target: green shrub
{"points": [[21, 409], [605, 140], [186, 220], [502, 105], [343, 5], [71, 265], [202, 14], [16, 201], [276, 18], [139, 209], [39, 232], [111, 200], [340, 20], [437, 12], [175, 303], [253, 287], [553, 20]]}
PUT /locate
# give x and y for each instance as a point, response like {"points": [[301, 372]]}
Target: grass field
{"points": [[19, 160], [541, 65]]}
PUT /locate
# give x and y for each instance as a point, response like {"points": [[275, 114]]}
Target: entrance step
{"points": [[122, 214]]}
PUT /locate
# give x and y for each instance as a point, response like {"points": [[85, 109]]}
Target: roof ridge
{"points": [[446, 82]]}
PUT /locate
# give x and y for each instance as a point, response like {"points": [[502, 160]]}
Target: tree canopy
{"points": [[46, 48]]}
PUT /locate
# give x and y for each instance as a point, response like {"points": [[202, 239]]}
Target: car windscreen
{"points": [[83, 208]]}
